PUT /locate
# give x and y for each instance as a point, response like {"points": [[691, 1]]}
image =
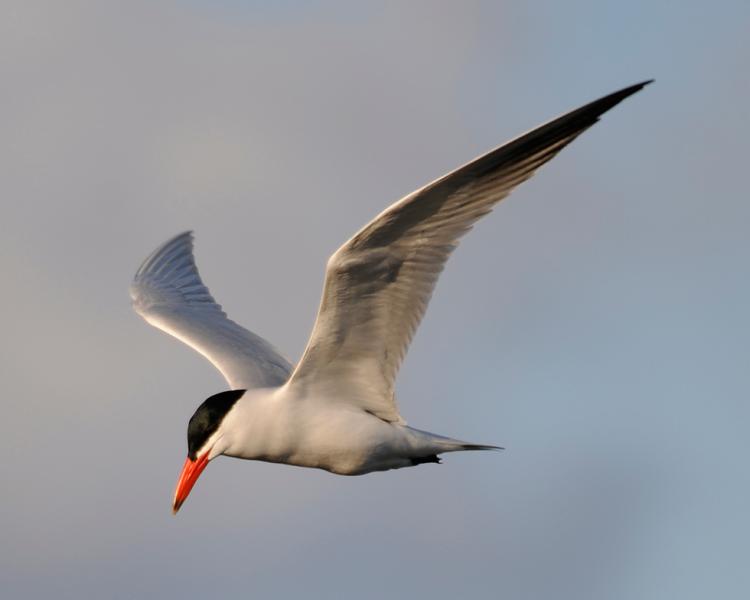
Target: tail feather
{"points": [[479, 447], [431, 444], [458, 447]]}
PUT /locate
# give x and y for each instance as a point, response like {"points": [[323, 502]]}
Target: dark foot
{"points": [[420, 460]]}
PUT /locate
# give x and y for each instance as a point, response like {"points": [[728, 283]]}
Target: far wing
{"points": [[378, 284], [168, 293]]}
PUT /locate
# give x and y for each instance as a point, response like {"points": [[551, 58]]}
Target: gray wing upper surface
{"points": [[168, 293], [378, 284]]}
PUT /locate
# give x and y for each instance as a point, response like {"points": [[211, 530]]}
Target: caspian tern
{"points": [[336, 409]]}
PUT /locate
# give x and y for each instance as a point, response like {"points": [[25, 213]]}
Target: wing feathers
{"points": [[378, 284], [168, 293]]}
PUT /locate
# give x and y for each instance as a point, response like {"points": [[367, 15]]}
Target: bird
{"points": [[336, 408]]}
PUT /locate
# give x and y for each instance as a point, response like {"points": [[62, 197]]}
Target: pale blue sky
{"points": [[595, 325]]}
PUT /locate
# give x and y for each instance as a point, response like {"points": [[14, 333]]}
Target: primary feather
{"points": [[167, 291], [378, 284]]}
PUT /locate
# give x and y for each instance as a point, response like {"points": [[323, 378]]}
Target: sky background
{"points": [[596, 324]]}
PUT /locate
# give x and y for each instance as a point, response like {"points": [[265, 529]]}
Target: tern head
{"points": [[206, 440]]}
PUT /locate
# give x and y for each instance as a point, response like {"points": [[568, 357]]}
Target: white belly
{"points": [[323, 435]]}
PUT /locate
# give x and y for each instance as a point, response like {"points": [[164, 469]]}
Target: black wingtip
{"points": [[638, 86], [602, 105], [632, 89], [585, 116]]}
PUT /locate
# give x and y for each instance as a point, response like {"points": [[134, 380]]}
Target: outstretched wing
{"points": [[378, 284], [167, 291]]}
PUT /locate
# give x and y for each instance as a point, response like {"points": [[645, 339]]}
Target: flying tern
{"points": [[336, 409]]}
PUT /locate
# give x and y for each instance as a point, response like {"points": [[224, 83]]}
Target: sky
{"points": [[595, 325]]}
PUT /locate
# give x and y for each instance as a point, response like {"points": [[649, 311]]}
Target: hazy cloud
{"points": [[595, 325]]}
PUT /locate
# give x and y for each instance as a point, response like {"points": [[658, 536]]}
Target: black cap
{"points": [[206, 420]]}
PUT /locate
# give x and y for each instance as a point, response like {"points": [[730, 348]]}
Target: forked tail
{"points": [[432, 444], [479, 447]]}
